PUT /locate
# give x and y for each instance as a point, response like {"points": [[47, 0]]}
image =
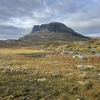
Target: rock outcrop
{"points": [[52, 32]]}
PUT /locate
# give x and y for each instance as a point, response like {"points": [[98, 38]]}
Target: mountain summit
{"points": [[54, 31], [53, 27]]}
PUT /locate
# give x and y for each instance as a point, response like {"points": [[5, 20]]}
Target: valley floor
{"points": [[39, 75]]}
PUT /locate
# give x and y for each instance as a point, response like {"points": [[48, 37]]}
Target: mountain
{"points": [[52, 32]]}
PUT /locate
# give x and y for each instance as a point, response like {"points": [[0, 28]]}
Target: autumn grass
{"points": [[20, 75], [85, 47], [19, 50]]}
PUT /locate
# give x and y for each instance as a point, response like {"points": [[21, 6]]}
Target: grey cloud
{"points": [[59, 8], [11, 32], [17, 17], [18, 8]]}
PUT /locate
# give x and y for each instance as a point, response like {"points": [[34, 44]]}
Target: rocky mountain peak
{"points": [[53, 31], [38, 27], [55, 27], [46, 33], [59, 27]]}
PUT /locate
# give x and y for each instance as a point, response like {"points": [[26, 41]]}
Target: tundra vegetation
{"points": [[28, 74]]}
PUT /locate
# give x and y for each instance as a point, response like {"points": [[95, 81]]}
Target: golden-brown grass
{"points": [[19, 50], [20, 77]]}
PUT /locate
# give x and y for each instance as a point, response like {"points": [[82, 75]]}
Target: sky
{"points": [[17, 17]]}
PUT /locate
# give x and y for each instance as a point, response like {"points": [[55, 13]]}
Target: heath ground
{"points": [[28, 74]]}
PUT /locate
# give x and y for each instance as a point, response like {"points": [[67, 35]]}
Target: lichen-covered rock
{"points": [[83, 67], [42, 79], [79, 56]]}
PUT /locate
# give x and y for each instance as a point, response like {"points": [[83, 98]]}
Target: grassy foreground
{"points": [[50, 77]]}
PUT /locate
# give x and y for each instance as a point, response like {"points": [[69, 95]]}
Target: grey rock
{"points": [[54, 31]]}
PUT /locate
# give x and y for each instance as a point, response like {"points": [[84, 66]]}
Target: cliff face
{"points": [[35, 28], [52, 32], [53, 27]]}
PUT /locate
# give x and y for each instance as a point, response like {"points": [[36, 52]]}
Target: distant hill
{"points": [[54, 31]]}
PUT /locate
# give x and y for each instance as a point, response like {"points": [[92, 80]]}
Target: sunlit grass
{"points": [[21, 50]]}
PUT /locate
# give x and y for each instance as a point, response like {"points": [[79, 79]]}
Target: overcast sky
{"points": [[17, 17]]}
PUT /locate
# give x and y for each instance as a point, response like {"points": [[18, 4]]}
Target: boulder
{"points": [[84, 67]]}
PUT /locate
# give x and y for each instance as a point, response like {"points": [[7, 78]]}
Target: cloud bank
{"points": [[17, 17]]}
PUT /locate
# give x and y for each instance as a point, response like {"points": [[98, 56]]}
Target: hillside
{"points": [[52, 32], [86, 48], [46, 33]]}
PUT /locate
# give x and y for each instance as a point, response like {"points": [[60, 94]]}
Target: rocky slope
{"points": [[53, 32]]}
